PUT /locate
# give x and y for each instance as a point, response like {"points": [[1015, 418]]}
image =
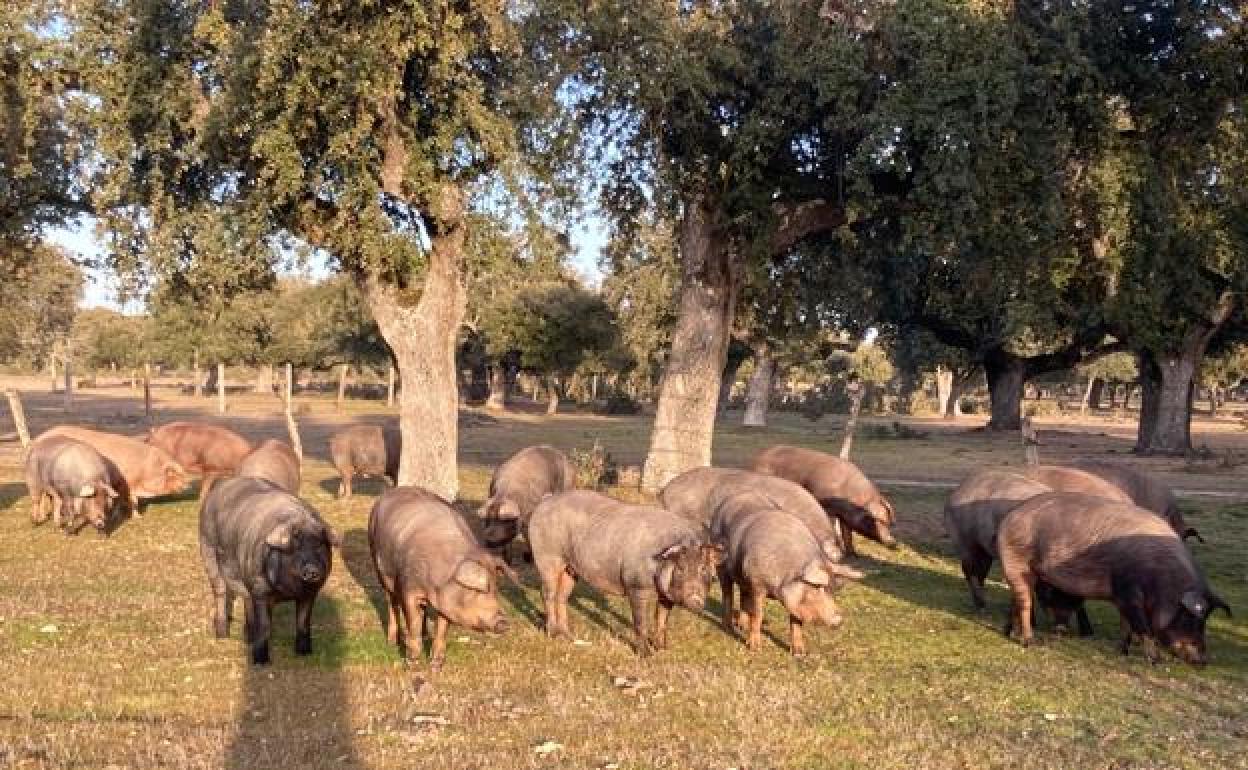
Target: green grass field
{"points": [[106, 659]]}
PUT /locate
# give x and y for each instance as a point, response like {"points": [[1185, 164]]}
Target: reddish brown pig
{"points": [[838, 485], [427, 557], [365, 450], [642, 552], [78, 481], [770, 553], [518, 485], [146, 471], [202, 449], [697, 493], [1146, 492], [273, 461], [1093, 548]]}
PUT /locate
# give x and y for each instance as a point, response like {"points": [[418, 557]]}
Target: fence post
{"points": [[19, 416]]}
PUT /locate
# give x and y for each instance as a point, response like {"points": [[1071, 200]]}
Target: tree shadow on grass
{"points": [[357, 555], [11, 493]]}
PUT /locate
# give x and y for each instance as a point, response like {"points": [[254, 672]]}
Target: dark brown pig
{"points": [[1093, 548], [273, 461], [975, 509], [770, 553], [838, 485], [642, 552], [426, 556], [146, 471], [1146, 492], [365, 450], [78, 481], [517, 486], [265, 545], [201, 448], [697, 493]]}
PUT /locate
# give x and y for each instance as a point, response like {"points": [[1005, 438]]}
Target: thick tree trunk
{"points": [[1096, 394], [497, 400], [342, 385], [221, 388], [422, 335], [758, 391], [1165, 408], [1215, 399], [199, 378], [737, 355], [684, 421], [264, 379], [1007, 373], [944, 390], [856, 397]]}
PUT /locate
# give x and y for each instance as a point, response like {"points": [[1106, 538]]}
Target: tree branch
{"points": [[801, 220]]}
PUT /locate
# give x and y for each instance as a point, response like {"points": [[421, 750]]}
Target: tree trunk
{"points": [[19, 417], [422, 336], [264, 379], [147, 393], [69, 385], [944, 390], [390, 385], [199, 379], [497, 400], [1214, 400], [221, 388], [758, 391], [342, 386], [684, 420], [1096, 394], [856, 397], [552, 396], [52, 369], [288, 398], [211, 384], [1087, 396], [737, 354], [1006, 375], [1165, 407]]}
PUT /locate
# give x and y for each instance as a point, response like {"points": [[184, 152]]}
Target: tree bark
{"points": [[390, 385], [944, 390], [264, 379], [69, 385], [684, 420], [851, 425], [342, 386], [497, 400], [221, 388], [199, 379], [1006, 374], [422, 336], [552, 396], [1087, 396], [758, 391], [1096, 395], [736, 355]]}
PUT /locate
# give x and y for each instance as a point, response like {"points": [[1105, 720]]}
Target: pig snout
{"points": [[310, 573], [500, 625], [1190, 653]]}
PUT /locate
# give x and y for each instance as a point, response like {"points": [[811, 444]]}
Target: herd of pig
{"points": [[778, 530]]}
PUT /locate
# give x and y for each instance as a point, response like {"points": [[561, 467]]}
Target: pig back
{"points": [[1080, 542], [530, 475], [1062, 479], [769, 546], [273, 461], [414, 533], [976, 508], [1144, 491], [368, 449], [826, 477], [148, 470], [201, 447], [695, 495], [238, 514]]}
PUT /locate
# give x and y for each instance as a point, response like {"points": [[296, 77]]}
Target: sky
{"points": [[79, 239]]}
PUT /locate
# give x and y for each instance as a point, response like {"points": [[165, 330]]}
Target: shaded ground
{"points": [[107, 658]]}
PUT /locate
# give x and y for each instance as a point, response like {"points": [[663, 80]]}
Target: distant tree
{"points": [[554, 327], [38, 302], [106, 339]]}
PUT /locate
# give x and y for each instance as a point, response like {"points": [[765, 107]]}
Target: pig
{"points": [[265, 545], [695, 494], [770, 553], [273, 461], [642, 552], [1145, 492], [203, 449], [838, 485], [975, 509], [426, 556], [367, 450], [1092, 548], [145, 471], [81, 484], [518, 485]]}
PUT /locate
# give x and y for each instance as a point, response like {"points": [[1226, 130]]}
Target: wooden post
{"points": [[1031, 442], [342, 385], [69, 385], [390, 386], [52, 366], [221, 388], [147, 392], [856, 391], [19, 416], [292, 428]]}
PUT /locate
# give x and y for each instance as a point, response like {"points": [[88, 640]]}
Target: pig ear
{"points": [[112, 493], [816, 574], [664, 579], [1195, 603], [173, 471], [471, 574], [1191, 532], [487, 509], [670, 552], [279, 538], [1163, 616], [844, 571], [86, 490], [1216, 603], [507, 510]]}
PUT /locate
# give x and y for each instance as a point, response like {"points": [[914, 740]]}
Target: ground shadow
{"points": [[296, 712], [358, 557], [11, 493]]}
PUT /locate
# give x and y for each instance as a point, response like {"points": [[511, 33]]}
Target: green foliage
{"points": [[640, 288], [104, 338], [38, 301], [552, 326], [1116, 367], [871, 364]]}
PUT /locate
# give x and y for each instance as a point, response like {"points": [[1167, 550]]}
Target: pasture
{"points": [[108, 661]]}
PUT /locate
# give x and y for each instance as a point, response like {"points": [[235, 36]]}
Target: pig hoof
{"points": [[303, 644], [435, 665]]}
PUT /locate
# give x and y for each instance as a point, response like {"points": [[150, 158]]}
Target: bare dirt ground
{"points": [[106, 659]]}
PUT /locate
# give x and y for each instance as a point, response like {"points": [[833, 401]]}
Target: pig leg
{"points": [[752, 602], [567, 582], [206, 484], [414, 630], [847, 535], [726, 590], [303, 627], [662, 610], [37, 495], [260, 620], [797, 642], [1021, 584], [1081, 617], [1136, 623], [743, 616], [437, 655], [136, 509], [220, 592], [975, 569], [344, 484], [392, 619], [637, 603]]}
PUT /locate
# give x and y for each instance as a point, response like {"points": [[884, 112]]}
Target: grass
{"points": [[130, 676]]}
